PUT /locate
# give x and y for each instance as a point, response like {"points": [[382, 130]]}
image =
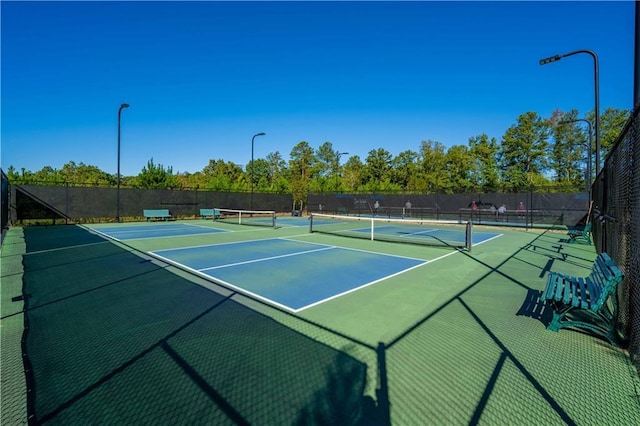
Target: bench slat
{"points": [[585, 294], [549, 290], [560, 288]]}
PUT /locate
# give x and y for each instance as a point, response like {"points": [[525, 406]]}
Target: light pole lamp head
{"points": [[550, 59], [124, 106], [260, 134]]}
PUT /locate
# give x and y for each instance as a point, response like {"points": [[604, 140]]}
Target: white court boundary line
{"points": [[335, 296], [240, 290], [323, 247], [266, 259], [221, 283]]}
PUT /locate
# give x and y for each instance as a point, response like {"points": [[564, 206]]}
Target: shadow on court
{"points": [[113, 338]]}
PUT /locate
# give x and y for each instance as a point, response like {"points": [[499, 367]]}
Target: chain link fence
{"points": [[616, 225], [4, 211]]}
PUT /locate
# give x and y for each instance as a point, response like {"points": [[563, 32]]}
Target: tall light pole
{"points": [[597, 94], [589, 148], [338, 155], [252, 139], [123, 106]]}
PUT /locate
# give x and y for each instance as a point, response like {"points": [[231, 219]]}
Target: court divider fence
{"points": [[527, 209], [91, 204], [616, 225]]}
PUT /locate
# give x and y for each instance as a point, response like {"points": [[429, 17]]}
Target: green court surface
{"points": [[117, 336]]}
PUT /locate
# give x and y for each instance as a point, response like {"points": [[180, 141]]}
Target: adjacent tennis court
{"points": [[159, 230], [204, 309]]}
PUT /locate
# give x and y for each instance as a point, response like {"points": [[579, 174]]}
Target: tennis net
{"points": [[449, 233], [246, 217]]}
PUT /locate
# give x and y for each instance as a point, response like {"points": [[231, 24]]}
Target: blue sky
{"points": [[203, 77]]}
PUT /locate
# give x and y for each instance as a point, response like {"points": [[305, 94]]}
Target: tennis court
{"points": [[160, 230], [201, 321], [301, 273]]}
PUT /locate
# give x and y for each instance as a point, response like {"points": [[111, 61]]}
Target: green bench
{"points": [[583, 234], [212, 213], [156, 214], [590, 303]]}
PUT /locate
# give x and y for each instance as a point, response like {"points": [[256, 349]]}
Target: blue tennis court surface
{"points": [[292, 274], [452, 236], [162, 230]]}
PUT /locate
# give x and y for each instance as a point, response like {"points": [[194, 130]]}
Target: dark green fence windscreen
{"points": [[76, 202], [533, 208]]}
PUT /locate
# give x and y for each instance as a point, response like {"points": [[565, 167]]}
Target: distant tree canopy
{"points": [[155, 176], [534, 152]]}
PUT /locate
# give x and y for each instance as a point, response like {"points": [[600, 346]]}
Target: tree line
{"points": [[535, 152]]}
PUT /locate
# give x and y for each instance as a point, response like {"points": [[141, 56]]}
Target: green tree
{"points": [[484, 154], [352, 175], [458, 166], [325, 177], [404, 169], [433, 161], [327, 159], [569, 147], [522, 153], [155, 176], [612, 122], [224, 176], [191, 180], [278, 181], [377, 170], [302, 169], [47, 176], [19, 178], [261, 170], [82, 174]]}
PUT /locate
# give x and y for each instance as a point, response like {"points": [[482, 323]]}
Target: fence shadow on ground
{"points": [[112, 337], [407, 344]]}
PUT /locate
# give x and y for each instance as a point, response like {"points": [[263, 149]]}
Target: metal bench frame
{"points": [[580, 234]]}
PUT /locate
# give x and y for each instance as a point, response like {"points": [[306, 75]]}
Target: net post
{"points": [[311, 223], [469, 236], [372, 225]]}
